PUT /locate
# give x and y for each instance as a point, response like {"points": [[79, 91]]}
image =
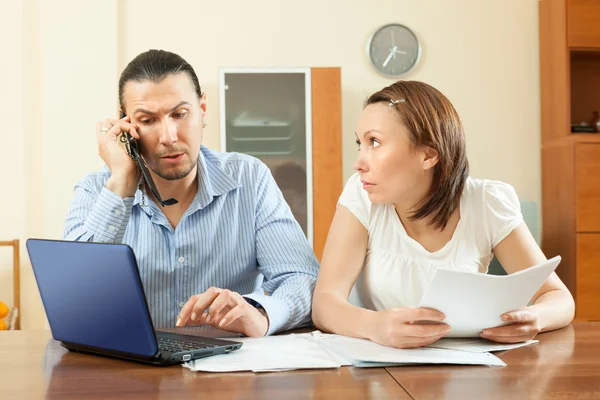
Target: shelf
{"points": [[572, 138], [585, 137], [585, 85], [585, 54]]}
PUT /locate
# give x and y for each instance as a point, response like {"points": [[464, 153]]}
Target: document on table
{"points": [[271, 353], [473, 302], [318, 350], [476, 345], [365, 353]]}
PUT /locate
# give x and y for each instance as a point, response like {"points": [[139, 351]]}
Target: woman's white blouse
{"points": [[397, 269]]}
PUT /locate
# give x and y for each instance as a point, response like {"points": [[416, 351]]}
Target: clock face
{"points": [[393, 50]]}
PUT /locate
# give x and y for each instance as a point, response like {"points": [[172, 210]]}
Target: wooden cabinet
{"points": [[588, 275], [587, 187], [570, 93], [582, 23]]}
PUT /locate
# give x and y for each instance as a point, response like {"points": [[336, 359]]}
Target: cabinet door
{"points": [[266, 113], [587, 173], [588, 276], [582, 23]]}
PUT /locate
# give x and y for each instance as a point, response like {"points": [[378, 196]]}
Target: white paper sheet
{"points": [[473, 302], [477, 345], [364, 353], [271, 353], [319, 350]]}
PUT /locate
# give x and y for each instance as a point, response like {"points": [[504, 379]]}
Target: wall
{"points": [[64, 57]]}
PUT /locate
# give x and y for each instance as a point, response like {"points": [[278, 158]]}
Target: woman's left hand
{"points": [[525, 325]]}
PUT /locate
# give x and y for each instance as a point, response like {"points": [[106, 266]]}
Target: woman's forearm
{"points": [[333, 313], [556, 309]]}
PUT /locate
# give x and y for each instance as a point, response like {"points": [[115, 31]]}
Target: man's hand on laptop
{"points": [[225, 310]]}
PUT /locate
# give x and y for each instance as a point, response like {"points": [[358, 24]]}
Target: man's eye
{"points": [[146, 121], [179, 115]]}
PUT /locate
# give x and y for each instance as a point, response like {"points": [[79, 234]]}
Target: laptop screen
{"points": [[93, 295]]}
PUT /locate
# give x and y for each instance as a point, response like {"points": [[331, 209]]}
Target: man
{"points": [[230, 238]]}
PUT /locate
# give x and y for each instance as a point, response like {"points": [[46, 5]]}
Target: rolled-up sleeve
{"points": [[284, 257]]}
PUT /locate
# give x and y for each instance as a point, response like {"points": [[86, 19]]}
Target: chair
{"points": [[16, 278]]}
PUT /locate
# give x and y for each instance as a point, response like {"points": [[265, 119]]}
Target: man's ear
{"points": [[203, 102], [432, 157]]}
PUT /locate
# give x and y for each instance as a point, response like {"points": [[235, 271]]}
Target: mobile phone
{"points": [[134, 152]]}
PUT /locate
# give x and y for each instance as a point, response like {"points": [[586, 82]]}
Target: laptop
{"points": [[95, 303]]}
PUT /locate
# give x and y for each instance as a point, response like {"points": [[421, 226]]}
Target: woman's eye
{"points": [[146, 121], [358, 144], [375, 143], [179, 115]]}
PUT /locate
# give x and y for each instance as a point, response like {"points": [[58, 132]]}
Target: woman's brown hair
{"points": [[432, 122]]}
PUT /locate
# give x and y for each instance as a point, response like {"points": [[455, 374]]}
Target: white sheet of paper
{"points": [[477, 345], [365, 353], [271, 353], [473, 302]]}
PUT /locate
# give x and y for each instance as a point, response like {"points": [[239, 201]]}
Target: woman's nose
{"points": [[360, 164]]}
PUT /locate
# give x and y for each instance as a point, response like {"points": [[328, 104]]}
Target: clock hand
{"points": [[393, 44], [399, 51], [387, 60], [393, 51]]}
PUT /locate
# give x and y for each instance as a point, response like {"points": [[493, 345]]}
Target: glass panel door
{"points": [[266, 114]]}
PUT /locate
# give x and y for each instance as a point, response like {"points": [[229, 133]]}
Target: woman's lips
{"points": [[367, 185]]}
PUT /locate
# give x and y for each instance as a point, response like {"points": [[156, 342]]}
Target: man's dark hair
{"points": [[154, 66]]}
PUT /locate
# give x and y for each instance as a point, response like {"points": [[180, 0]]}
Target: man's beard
{"points": [[176, 174]]}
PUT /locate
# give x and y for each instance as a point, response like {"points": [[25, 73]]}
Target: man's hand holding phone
{"points": [[125, 174]]}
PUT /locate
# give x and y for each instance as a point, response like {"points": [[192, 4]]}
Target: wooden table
{"points": [[565, 364]]}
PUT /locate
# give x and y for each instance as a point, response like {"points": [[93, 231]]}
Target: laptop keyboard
{"points": [[179, 345]]}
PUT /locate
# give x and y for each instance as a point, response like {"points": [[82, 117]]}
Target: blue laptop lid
{"points": [[93, 295]]}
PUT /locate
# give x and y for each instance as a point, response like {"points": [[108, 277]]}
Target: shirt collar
{"points": [[213, 181]]}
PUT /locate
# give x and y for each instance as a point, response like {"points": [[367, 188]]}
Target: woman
{"points": [[412, 208]]}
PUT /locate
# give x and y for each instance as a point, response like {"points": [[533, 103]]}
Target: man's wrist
{"points": [[261, 311], [124, 186]]}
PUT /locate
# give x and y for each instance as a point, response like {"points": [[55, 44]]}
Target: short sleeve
{"points": [[355, 199], [503, 210]]}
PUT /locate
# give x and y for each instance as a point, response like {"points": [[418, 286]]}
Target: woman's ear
{"points": [[431, 158]]}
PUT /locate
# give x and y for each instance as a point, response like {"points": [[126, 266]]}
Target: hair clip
{"points": [[394, 102]]}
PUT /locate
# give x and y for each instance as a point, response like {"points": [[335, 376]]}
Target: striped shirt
{"points": [[238, 233]]}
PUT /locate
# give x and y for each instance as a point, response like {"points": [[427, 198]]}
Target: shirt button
{"points": [[111, 228], [181, 304], [118, 212], [181, 259]]}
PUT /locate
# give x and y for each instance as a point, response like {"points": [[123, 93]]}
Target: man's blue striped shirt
{"points": [[238, 233]]}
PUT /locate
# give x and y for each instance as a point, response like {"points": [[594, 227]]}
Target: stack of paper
{"points": [[364, 353], [477, 345], [271, 353], [317, 350]]}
